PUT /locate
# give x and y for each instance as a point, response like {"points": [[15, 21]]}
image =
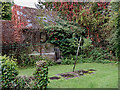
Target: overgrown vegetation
{"points": [[65, 35], [10, 80], [115, 33]]}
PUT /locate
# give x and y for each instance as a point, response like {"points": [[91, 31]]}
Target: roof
{"points": [[32, 17]]}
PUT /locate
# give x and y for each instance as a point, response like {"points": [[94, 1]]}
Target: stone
{"points": [[58, 61]]}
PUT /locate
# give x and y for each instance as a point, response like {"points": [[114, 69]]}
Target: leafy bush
{"points": [[6, 10], [18, 51], [9, 78], [50, 63], [114, 39], [68, 61], [107, 61], [83, 58], [65, 35], [87, 45], [25, 82], [9, 72], [80, 59], [41, 75], [24, 59], [69, 46], [99, 54], [29, 60]]}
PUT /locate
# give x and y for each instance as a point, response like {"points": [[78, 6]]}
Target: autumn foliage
{"points": [[90, 15]]}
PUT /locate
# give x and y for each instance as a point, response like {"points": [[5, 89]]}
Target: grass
{"points": [[106, 76]]}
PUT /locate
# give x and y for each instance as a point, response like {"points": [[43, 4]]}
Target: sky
{"points": [[26, 3], [31, 3]]}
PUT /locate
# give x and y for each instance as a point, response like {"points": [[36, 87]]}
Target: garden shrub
{"points": [[80, 59], [83, 58], [6, 10], [29, 60], [41, 75], [20, 52], [50, 63], [24, 82], [99, 55], [9, 78], [9, 72], [68, 61], [107, 61], [24, 59], [69, 46], [87, 46], [65, 35], [39, 80], [114, 39]]}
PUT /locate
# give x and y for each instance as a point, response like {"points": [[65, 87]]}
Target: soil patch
{"points": [[91, 70], [78, 73], [54, 78], [68, 75]]}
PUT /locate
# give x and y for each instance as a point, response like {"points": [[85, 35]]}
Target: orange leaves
{"points": [[17, 36], [17, 14]]}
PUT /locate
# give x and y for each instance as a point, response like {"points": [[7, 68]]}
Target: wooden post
{"points": [[77, 54]]}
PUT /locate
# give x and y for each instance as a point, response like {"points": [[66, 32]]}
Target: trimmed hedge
{"points": [[41, 75]]}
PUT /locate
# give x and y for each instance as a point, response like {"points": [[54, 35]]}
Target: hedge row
{"points": [[9, 78]]}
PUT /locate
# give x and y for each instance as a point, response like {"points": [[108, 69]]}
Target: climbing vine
{"points": [[92, 16], [65, 35]]}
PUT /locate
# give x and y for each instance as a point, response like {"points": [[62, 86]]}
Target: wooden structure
{"points": [[25, 28]]}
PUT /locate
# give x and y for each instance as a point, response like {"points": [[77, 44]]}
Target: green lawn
{"points": [[106, 76]]}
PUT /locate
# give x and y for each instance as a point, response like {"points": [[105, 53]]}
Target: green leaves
{"points": [[100, 56], [6, 10], [87, 43], [115, 37], [64, 34], [67, 61], [9, 77], [9, 71], [41, 75]]}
